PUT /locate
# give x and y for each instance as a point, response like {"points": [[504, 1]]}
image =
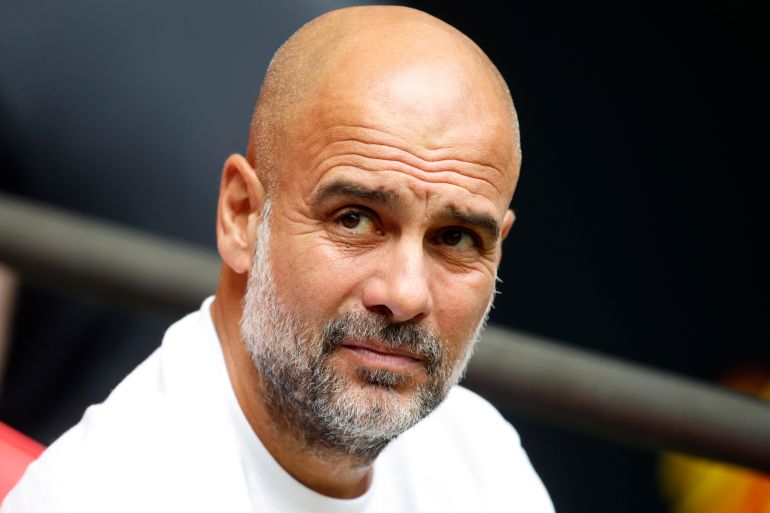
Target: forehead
{"points": [[428, 121]]}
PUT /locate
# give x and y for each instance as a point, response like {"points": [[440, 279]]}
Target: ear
{"points": [[508, 221], [241, 198]]}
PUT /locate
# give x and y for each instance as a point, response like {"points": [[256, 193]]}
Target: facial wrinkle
{"points": [[387, 139], [425, 193], [391, 153], [474, 186], [473, 182]]}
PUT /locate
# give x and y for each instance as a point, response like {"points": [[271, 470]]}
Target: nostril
{"points": [[381, 310]]}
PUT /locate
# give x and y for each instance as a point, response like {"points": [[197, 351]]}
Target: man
{"points": [[360, 240]]}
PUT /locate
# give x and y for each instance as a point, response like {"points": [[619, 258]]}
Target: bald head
{"points": [[406, 62]]}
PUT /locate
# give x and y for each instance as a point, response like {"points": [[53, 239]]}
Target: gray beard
{"points": [[306, 396]]}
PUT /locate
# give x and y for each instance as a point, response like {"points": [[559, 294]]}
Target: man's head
{"points": [[382, 158]]}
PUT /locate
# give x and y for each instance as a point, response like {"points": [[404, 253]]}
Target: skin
{"points": [[390, 172]]}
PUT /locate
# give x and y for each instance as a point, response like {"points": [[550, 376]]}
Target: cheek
{"points": [[313, 278], [460, 302]]}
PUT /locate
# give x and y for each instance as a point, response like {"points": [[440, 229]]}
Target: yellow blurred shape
{"points": [[695, 485]]}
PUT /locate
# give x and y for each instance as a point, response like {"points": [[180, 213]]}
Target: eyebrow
{"points": [[343, 188], [483, 222]]}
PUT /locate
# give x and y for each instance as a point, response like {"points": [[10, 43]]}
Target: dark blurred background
{"points": [[642, 207]]}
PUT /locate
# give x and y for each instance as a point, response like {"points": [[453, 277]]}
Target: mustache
{"points": [[408, 336]]}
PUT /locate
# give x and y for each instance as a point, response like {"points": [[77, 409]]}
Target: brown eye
{"points": [[357, 222], [452, 237], [350, 220], [458, 239]]}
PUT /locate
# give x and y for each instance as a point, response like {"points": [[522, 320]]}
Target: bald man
{"points": [[360, 239]]}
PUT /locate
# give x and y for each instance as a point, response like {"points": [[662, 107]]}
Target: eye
{"points": [[357, 222], [458, 239]]}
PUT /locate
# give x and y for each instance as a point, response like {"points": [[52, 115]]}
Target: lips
{"points": [[380, 347], [373, 353]]}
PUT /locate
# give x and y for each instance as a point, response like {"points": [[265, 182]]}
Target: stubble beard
{"points": [[304, 394]]}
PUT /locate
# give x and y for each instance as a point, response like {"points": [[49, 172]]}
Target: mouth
{"points": [[378, 355]]}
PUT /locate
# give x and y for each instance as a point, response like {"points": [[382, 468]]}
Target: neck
{"points": [[323, 470]]}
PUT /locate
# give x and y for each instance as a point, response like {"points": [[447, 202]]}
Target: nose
{"points": [[399, 287]]}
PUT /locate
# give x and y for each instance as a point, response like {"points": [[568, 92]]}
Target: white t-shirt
{"points": [[172, 437]]}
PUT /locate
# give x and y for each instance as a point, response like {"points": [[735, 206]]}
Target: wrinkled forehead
{"points": [[432, 109]]}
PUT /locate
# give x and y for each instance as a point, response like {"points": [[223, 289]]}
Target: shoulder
{"points": [[468, 454], [72, 472], [157, 435]]}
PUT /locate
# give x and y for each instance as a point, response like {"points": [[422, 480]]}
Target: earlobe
{"points": [[241, 198]]}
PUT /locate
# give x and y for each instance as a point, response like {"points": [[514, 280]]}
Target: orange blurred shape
{"points": [[695, 485]]}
